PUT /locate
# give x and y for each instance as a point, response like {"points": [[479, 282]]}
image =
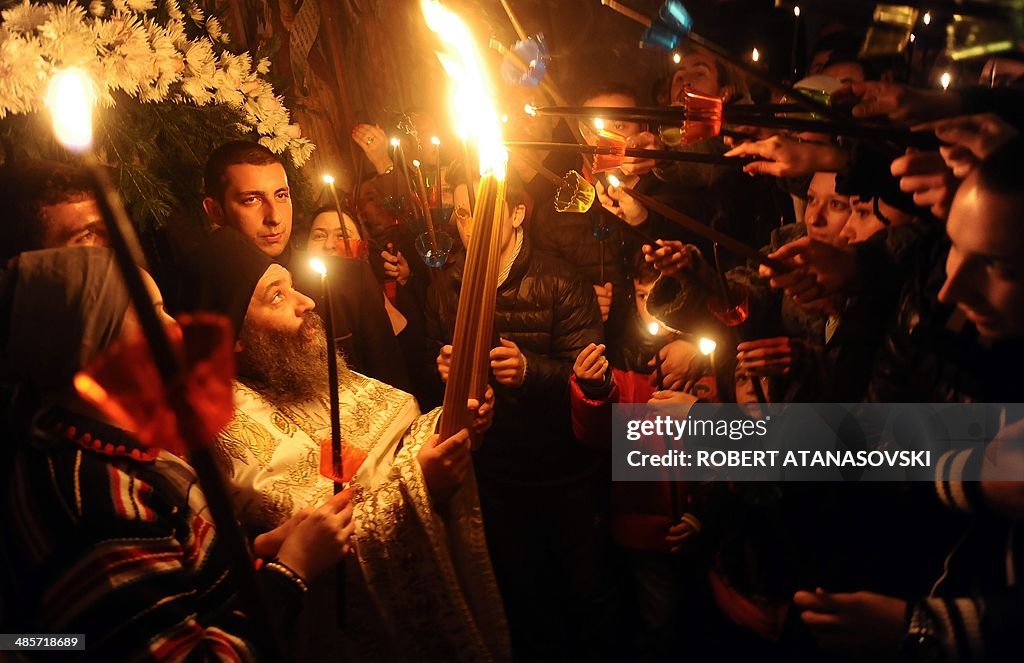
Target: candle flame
{"points": [[653, 328], [614, 181], [946, 80], [927, 18], [706, 346], [434, 140], [395, 142], [328, 179], [755, 55], [318, 266], [677, 58], [70, 98], [796, 11], [530, 110], [598, 123], [472, 99]]}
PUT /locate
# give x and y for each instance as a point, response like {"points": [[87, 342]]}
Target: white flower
{"points": [[196, 91], [22, 76], [24, 18], [128, 60], [142, 5], [66, 38], [173, 10], [275, 144], [195, 13], [131, 51], [199, 60], [213, 28], [300, 151]]}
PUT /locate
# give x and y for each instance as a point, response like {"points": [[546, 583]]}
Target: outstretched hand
{"points": [[785, 157], [669, 257]]}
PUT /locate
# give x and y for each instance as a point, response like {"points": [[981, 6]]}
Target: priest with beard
{"points": [[421, 584]]}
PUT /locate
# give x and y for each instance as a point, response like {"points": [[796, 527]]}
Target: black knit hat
{"points": [[221, 275]]}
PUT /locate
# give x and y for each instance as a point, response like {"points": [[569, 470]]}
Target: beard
{"points": [[287, 366]]}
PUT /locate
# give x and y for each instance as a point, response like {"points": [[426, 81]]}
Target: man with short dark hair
{"points": [[247, 189], [49, 204]]}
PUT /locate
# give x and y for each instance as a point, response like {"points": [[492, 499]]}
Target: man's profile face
{"points": [[275, 305], [282, 344], [985, 265], [73, 223], [257, 203], [827, 211]]}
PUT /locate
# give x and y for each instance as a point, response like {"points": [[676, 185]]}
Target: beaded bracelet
{"points": [[287, 572]]}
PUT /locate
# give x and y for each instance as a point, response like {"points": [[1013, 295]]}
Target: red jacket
{"points": [[642, 511]]}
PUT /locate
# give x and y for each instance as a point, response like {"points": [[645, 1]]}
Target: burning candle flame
{"points": [[395, 142], [318, 266], [472, 100], [706, 345], [755, 55], [653, 328], [614, 181], [434, 140], [530, 110], [70, 98], [598, 123], [946, 80], [328, 179]]}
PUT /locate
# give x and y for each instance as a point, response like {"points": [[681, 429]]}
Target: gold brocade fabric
{"points": [[420, 584]]}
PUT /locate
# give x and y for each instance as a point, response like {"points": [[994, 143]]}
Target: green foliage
{"points": [[156, 150]]}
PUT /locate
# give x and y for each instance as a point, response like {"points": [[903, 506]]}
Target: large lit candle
{"points": [[476, 118]]}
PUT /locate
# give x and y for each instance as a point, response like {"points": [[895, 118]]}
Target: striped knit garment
{"points": [[975, 611], [98, 542]]}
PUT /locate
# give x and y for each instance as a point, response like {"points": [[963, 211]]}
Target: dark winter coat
{"points": [[551, 315]]}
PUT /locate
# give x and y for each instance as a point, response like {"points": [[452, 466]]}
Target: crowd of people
{"points": [[904, 283]]}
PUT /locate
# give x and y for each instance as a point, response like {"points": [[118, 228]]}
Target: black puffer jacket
{"points": [[551, 315]]}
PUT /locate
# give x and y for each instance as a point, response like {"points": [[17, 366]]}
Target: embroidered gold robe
{"points": [[420, 586]]}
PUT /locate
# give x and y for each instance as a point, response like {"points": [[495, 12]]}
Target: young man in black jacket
{"points": [[542, 493]]}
